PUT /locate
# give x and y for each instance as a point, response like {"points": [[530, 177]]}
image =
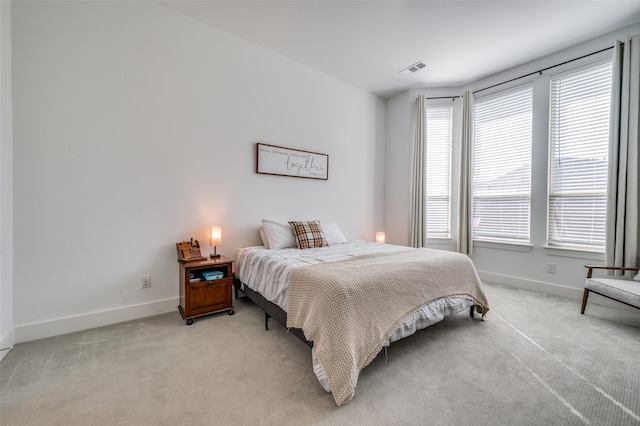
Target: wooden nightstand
{"points": [[200, 296]]}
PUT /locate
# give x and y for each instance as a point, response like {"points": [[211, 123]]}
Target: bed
{"points": [[350, 299]]}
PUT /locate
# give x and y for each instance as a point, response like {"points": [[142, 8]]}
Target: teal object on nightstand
{"points": [[212, 275]]}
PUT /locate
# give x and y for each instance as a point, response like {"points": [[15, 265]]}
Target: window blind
{"points": [[438, 171], [502, 166], [578, 155]]}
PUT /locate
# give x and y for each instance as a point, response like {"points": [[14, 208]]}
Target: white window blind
{"points": [[578, 153], [502, 166], [438, 153]]}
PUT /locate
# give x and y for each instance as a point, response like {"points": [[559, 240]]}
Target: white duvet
{"points": [[267, 271]]}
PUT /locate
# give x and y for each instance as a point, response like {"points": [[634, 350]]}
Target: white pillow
{"points": [[279, 235], [332, 232], [263, 237]]}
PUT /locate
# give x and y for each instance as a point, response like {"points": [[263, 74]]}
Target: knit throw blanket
{"points": [[349, 308]]}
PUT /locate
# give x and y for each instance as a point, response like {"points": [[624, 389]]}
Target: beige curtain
{"points": [[621, 248], [465, 227], [418, 185]]}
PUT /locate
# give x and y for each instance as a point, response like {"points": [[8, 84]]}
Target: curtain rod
{"points": [[443, 97], [544, 69]]}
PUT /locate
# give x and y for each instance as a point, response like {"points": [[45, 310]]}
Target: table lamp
{"points": [[215, 240]]}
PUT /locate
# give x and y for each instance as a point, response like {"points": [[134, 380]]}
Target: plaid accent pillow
{"points": [[308, 234]]}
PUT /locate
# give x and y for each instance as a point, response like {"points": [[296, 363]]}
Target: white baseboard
{"points": [[531, 285], [6, 343], [41, 330]]}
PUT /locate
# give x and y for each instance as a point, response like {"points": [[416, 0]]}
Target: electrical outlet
{"points": [[551, 268], [145, 281]]}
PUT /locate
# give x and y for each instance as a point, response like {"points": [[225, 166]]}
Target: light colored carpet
{"points": [[535, 360]]}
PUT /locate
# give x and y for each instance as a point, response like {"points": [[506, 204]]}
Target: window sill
{"points": [[575, 253], [440, 242], [503, 246]]}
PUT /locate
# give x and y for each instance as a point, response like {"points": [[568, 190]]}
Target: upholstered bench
{"points": [[622, 289]]}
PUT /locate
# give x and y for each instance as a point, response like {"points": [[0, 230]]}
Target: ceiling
{"points": [[367, 43]]}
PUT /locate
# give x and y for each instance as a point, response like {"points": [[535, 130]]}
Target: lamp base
{"points": [[215, 256]]}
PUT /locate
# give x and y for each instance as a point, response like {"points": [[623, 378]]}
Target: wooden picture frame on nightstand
{"points": [[189, 251]]}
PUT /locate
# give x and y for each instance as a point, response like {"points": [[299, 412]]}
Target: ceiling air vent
{"points": [[412, 68]]}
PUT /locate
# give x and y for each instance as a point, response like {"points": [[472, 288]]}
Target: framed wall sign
{"points": [[276, 160]]}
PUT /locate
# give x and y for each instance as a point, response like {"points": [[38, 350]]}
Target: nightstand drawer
{"points": [[208, 296]]}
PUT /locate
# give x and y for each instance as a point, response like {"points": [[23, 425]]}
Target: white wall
{"points": [[504, 264], [7, 336], [135, 127]]}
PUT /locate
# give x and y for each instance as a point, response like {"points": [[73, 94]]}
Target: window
{"points": [[578, 152], [438, 186], [502, 166]]}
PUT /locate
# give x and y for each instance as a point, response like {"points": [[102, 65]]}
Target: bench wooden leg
{"points": [[585, 296]]}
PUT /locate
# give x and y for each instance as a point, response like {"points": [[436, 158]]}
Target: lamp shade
{"points": [[379, 237], [215, 236]]}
